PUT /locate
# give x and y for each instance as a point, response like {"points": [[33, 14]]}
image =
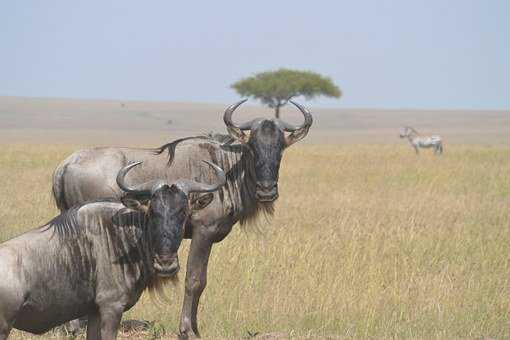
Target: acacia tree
{"points": [[276, 88]]}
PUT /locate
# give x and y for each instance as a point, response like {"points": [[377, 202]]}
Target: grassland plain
{"points": [[368, 241]]}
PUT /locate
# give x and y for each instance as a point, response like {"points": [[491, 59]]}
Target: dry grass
{"points": [[367, 241]]}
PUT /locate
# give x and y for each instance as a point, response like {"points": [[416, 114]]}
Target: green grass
{"points": [[368, 241]]}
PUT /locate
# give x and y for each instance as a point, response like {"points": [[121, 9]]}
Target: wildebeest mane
{"points": [[66, 224], [239, 191], [170, 147], [237, 159], [219, 137], [71, 233]]}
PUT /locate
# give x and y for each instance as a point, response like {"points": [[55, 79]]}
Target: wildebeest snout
{"points": [[166, 265], [267, 190]]}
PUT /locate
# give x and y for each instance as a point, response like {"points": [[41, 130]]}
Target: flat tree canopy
{"points": [[276, 88]]}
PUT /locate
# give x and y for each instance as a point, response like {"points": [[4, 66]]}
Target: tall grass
{"points": [[367, 241]]}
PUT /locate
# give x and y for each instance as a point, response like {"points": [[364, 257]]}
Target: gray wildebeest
{"points": [[417, 141], [251, 162], [97, 258]]}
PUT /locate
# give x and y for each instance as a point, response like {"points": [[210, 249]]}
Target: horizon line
{"points": [[254, 102]]}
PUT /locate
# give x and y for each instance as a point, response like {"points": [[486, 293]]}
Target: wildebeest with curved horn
{"points": [[97, 258], [251, 162]]}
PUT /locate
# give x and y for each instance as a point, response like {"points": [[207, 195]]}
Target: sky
{"points": [[431, 54]]}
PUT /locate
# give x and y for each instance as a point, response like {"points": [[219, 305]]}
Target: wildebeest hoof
{"points": [[185, 335]]}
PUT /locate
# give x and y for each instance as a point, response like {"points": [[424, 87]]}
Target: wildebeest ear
{"points": [[201, 201], [134, 204]]}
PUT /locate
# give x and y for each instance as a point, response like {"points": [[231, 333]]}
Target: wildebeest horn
{"points": [[236, 131], [139, 190], [298, 132], [190, 186]]}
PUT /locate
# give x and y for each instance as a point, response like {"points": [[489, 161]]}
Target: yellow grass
{"points": [[367, 241]]}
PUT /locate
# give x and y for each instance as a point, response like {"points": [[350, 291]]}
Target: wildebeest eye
{"points": [[202, 201]]}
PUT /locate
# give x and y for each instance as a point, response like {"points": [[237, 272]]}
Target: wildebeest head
{"points": [[168, 209], [267, 140]]}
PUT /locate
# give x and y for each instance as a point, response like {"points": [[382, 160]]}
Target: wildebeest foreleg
{"points": [[109, 318], [10, 304], [4, 330], [4, 334], [196, 280], [5, 325], [93, 327]]}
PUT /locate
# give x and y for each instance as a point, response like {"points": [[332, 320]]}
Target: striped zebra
{"points": [[417, 141]]}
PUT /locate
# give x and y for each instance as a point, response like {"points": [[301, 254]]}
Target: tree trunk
{"points": [[277, 111]]}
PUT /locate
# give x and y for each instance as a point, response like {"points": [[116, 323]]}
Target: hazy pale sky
{"points": [[387, 54]]}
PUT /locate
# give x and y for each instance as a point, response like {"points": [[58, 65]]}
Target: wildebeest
{"points": [[97, 258], [251, 162], [417, 141]]}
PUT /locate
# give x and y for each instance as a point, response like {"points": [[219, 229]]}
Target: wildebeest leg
{"points": [[5, 328], [10, 304], [6, 321], [196, 280], [5, 324], [109, 318], [75, 325], [93, 327], [4, 334], [416, 149]]}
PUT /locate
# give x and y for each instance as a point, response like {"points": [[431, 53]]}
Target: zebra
{"points": [[418, 141]]}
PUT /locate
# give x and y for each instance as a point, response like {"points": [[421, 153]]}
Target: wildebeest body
{"points": [[86, 259], [234, 202], [96, 259]]}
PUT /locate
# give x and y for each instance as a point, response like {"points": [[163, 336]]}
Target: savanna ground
{"points": [[368, 240]]}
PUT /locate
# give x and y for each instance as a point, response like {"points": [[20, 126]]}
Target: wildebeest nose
{"points": [[166, 259], [173, 267], [266, 185], [166, 265]]}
